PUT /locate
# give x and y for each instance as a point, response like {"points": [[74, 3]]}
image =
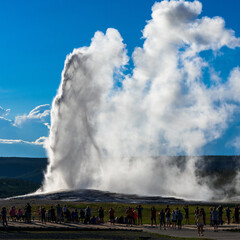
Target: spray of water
{"points": [[108, 137]]}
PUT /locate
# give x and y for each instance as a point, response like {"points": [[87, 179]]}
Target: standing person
{"points": [[111, 215], [75, 215], [179, 220], [4, 217], [139, 209], [196, 212], [129, 218], [64, 212], [43, 215], [153, 216], [200, 223], [28, 209], [20, 215], [186, 209], [101, 215], [162, 219], [82, 215], [228, 213], [13, 214], [211, 219], [59, 213], [87, 215], [53, 215], [135, 216], [167, 209], [215, 219], [174, 219], [168, 217], [220, 213], [236, 214], [204, 216]]}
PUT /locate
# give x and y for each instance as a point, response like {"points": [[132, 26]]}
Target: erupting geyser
{"points": [[109, 129]]}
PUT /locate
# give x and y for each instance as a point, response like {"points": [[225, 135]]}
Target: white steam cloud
{"points": [[107, 137]]}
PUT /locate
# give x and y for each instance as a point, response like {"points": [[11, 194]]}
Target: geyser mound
{"points": [[108, 129]]}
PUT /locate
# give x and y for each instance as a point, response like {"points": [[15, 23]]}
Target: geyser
{"points": [[109, 129]]}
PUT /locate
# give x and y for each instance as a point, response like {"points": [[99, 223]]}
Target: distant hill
{"points": [[24, 175], [14, 187], [30, 169]]}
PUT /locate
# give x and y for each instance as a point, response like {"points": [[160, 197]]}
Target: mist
{"points": [[109, 129]]}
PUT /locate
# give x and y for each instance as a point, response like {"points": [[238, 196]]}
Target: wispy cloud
{"points": [[4, 112], [28, 131], [40, 141], [40, 113]]}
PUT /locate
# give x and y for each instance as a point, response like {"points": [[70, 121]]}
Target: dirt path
{"points": [[187, 230], [190, 231]]}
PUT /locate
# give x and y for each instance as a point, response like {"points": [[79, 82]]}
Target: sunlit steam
{"points": [[109, 129]]}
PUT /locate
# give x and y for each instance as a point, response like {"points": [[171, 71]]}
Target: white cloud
{"points": [[39, 114], [40, 141], [4, 112], [26, 132]]}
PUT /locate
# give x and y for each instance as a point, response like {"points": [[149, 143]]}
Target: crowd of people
{"points": [[16, 214], [167, 218]]}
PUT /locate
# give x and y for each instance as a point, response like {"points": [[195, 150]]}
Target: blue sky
{"points": [[35, 38]]}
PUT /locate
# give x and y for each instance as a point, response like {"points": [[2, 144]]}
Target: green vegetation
{"points": [[13, 187], [119, 209]]}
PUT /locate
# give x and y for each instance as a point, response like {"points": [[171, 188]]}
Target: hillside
{"points": [[30, 169], [14, 187], [24, 175]]}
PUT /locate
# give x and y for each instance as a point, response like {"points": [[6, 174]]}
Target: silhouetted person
{"points": [[236, 214], [82, 216], [20, 215], [139, 209], [162, 219], [196, 212], [200, 222], [220, 213], [75, 215], [87, 215], [174, 219], [228, 213], [28, 212], [204, 215], [13, 213], [111, 215], [211, 219], [94, 220], [129, 216], [53, 215], [4, 217], [153, 216], [59, 213], [43, 215], [186, 209], [179, 219], [168, 216], [64, 211], [101, 214], [215, 218]]}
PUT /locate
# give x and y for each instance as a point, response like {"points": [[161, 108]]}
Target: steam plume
{"points": [[109, 137]]}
